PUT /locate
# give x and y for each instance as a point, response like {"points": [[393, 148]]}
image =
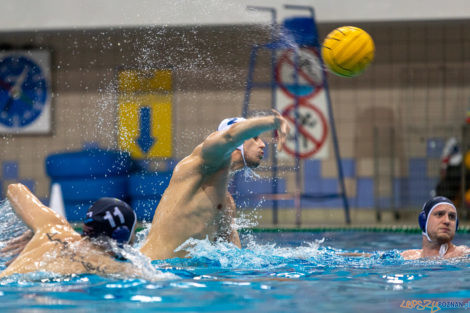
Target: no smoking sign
{"points": [[299, 72], [300, 78], [309, 129]]}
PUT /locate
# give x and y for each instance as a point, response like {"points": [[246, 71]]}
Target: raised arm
{"points": [[218, 147], [28, 207]]}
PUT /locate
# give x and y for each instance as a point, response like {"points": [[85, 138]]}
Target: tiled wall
{"points": [[417, 86]]}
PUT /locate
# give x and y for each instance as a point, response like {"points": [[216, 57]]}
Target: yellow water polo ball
{"points": [[467, 160], [347, 51], [467, 196]]}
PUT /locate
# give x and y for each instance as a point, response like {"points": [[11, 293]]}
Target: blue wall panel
{"points": [[31, 184], [365, 193], [349, 167], [10, 170]]}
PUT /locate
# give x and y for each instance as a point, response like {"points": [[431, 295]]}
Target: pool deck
{"points": [[334, 219], [330, 220]]}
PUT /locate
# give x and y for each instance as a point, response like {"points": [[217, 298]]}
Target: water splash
{"points": [[256, 256], [142, 235], [189, 51], [246, 220], [142, 262], [10, 225]]}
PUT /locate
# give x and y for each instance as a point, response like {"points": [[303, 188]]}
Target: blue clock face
{"points": [[23, 91]]}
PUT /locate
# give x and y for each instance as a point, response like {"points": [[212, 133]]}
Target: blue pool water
{"points": [[274, 272]]}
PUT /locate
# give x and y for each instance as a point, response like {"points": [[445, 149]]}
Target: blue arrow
{"points": [[145, 141]]}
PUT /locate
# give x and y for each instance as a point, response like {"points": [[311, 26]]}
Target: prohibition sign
{"points": [[299, 72], [309, 116]]}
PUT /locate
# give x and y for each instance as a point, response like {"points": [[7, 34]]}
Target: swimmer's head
{"points": [[110, 217], [253, 157], [427, 211]]}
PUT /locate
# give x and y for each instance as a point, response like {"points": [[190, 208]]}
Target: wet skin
{"points": [[55, 246], [441, 229], [196, 203]]}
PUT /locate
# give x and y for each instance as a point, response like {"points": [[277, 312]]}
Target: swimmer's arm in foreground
{"points": [[53, 235], [33, 213]]}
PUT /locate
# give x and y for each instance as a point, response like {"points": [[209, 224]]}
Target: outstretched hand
{"points": [[282, 129]]}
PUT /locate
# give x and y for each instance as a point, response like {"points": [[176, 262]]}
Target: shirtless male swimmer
{"points": [[56, 247], [438, 221], [196, 203]]}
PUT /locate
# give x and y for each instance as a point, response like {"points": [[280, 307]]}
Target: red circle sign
{"points": [[299, 73], [312, 129]]}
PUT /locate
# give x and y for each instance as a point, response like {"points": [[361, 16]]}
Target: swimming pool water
{"points": [[274, 272]]}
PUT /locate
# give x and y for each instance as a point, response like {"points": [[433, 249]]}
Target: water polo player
{"points": [[438, 220], [56, 247], [197, 203]]}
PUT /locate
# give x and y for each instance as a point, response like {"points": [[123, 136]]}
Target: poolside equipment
{"points": [[56, 202], [145, 191], [85, 176], [296, 35]]}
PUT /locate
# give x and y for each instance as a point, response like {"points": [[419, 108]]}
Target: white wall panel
{"points": [[21, 15]]}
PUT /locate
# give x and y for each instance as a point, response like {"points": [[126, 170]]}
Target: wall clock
{"points": [[25, 93]]}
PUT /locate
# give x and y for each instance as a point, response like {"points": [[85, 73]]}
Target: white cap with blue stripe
{"points": [[226, 124]]}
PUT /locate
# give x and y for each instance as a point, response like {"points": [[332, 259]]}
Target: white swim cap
{"points": [[227, 123]]}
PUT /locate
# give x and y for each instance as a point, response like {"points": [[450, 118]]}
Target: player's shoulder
{"points": [[464, 250], [189, 166], [411, 254], [194, 159], [58, 231]]}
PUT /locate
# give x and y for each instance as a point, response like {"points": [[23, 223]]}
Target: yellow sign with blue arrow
{"points": [[145, 113], [145, 125]]}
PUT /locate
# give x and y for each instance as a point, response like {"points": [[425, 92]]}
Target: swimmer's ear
{"points": [[28, 207]]}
